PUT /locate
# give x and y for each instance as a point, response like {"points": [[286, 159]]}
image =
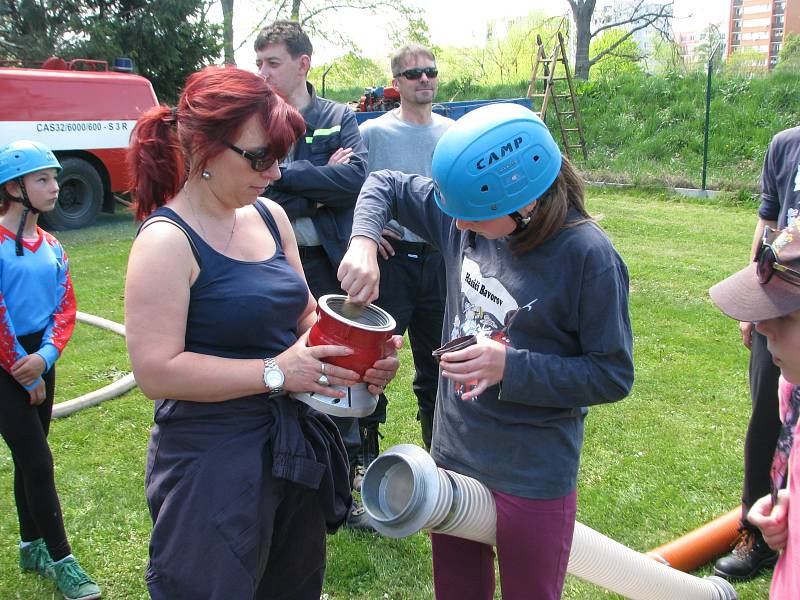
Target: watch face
{"points": [[274, 379]]}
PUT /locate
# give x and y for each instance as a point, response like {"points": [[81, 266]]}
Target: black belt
{"points": [[311, 251], [418, 248]]}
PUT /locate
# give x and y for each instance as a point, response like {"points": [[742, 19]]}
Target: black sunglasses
{"points": [[416, 73], [260, 161], [767, 263]]}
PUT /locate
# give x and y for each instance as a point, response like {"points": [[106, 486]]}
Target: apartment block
{"points": [[762, 26]]}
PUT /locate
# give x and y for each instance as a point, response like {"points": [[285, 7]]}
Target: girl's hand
{"points": [[384, 370], [302, 366], [28, 369], [37, 394], [359, 272], [476, 367], [772, 520]]}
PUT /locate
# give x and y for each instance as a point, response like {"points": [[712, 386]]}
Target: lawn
{"points": [[660, 463]]}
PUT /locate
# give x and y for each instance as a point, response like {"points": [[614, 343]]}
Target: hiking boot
{"points": [[750, 555], [358, 518], [73, 582], [358, 477], [35, 557]]}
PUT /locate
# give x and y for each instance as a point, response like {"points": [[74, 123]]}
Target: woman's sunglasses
{"points": [[260, 161], [767, 263], [416, 73]]}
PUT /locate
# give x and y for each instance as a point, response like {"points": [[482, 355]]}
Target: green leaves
{"points": [[166, 40]]}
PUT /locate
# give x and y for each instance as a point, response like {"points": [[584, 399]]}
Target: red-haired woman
{"points": [[242, 481]]}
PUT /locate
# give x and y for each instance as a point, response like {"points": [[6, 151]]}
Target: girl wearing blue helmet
{"points": [[37, 317], [538, 329]]}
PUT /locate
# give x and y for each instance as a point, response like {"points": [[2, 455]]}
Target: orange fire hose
{"points": [[702, 545]]}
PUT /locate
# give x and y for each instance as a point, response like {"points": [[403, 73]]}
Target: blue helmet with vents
{"points": [[22, 157], [493, 161]]}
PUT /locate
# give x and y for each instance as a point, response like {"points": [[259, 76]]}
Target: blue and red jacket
{"points": [[36, 294]]}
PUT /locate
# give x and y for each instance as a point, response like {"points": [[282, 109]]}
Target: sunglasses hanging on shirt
{"points": [[767, 263]]}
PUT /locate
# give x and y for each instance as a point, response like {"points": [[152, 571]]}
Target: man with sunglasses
{"points": [[780, 206], [412, 287], [321, 177]]}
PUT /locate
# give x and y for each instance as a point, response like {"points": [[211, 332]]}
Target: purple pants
{"points": [[533, 543]]}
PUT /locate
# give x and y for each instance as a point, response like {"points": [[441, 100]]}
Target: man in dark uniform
{"points": [[322, 176]]}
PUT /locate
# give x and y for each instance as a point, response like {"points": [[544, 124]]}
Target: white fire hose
{"points": [[112, 390], [404, 491]]}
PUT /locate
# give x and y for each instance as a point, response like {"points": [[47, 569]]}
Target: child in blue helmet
{"points": [[37, 317], [537, 304]]}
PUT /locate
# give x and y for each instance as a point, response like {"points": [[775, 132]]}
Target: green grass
{"points": [[658, 464], [648, 130]]}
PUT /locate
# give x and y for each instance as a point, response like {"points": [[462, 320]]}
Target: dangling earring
{"points": [[206, 175]]}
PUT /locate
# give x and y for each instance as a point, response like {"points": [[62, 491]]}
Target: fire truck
{"points": [[85, 112]]}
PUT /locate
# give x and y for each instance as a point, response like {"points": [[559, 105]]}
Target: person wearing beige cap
{"points": [[767, 293]]}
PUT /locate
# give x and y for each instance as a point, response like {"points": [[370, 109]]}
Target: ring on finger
{"points": [[323, 379], [323, 368]]}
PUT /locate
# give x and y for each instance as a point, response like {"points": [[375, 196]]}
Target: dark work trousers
{"points": [[763, 428], [224, 525], [321, 279], [413, 291], [24, 428]]}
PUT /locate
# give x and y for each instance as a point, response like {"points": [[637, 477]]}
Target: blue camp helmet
{"points": [[22, 157], [493, 161]]}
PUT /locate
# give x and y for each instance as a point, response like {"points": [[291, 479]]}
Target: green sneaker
{"points": [[35, 557], [73, 582]]}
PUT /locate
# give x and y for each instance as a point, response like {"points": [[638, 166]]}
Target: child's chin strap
{"points": [[522, 222], [27, 208]]}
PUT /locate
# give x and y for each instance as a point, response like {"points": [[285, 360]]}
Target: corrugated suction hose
{"points": [[404, 491]]}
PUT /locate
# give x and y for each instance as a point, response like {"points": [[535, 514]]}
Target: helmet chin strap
{"points": [[522, 222], [27, 208]]}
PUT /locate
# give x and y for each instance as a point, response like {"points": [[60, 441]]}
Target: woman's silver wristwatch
{"points": [[273, 376]]}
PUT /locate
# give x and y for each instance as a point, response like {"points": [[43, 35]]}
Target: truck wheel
{"points": [[80, 198]]}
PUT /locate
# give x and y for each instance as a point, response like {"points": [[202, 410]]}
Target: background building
{"points": [[762, 26]]}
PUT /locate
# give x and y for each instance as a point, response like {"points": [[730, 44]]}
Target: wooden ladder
{"points": [[568, 117]]}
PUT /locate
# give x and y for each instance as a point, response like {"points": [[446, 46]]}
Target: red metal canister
{"points": [[365, 334]]}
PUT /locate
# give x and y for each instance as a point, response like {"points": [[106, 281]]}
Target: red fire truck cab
{"points": [[86, 117]]}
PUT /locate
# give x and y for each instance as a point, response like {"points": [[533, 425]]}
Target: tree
{"points": [[640, 14], [311, 15], [624, 58], [711, 36], [350, 71], [504, 59], [412, 29], [746, 62], [227, 32], [166, 40], [789, 56], [31, 31], [666, 57]]}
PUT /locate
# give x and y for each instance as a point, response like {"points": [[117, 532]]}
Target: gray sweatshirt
{"points": [[401, 146], [564, 308]]}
